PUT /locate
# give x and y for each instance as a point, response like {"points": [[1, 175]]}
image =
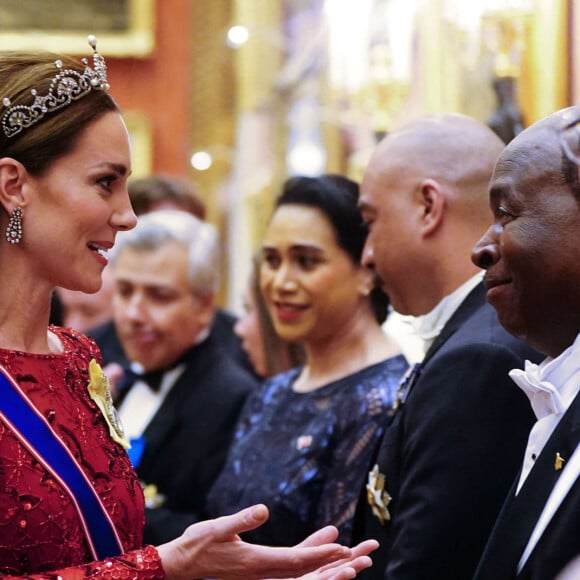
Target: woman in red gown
{"points": [[70, 504]]}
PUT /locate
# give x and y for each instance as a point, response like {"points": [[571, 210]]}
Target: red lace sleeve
{"points": [[136, 565]]}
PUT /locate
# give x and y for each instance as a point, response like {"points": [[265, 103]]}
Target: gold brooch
{"points": [[153, 499], [101, 394], [377, 495], [559, 462]]}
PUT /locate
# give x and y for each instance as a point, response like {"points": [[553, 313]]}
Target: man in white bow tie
{"points": [[531, 254]]}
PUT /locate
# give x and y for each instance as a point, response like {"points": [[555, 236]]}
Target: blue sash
{"points": [[36, 434]]}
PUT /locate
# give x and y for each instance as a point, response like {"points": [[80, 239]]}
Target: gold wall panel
{"points": [[125, 27]]}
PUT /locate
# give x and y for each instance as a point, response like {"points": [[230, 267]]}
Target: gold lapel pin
{"points": [[559, 461]]}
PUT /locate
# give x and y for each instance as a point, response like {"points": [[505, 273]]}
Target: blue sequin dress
{"points": [[306, 455]]}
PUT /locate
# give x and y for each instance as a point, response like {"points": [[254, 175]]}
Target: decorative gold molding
{"points": [[137, 39], [140, 136], [544, 82]]}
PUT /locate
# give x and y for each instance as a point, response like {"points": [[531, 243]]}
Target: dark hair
{"points": [[147, 191], [337, 198], [57, 133]]}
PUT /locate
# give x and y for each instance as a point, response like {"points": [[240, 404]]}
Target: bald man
{"points": [[531, 254], [454, 440]]}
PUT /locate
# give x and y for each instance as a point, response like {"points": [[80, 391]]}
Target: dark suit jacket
{"points": [[187, 440], [451, 451], [560, 542]]}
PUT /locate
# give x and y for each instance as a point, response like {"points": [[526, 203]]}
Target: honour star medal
{"points": [[100, 393], [377, 495]]}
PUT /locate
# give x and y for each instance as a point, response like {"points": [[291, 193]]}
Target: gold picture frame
{"points": [[575, 56], [125, 27]]}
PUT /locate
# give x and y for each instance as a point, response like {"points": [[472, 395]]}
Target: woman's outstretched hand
{"points": [[343, 569], [213, 549]]}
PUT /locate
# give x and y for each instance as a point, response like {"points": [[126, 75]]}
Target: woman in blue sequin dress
{"points": [[306, 438]]}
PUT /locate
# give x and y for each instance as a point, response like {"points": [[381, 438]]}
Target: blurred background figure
{"points": [[164, 191], [306, 437], [268, 353], [83, 311], [506, 120], [180, 398], [148, 194]]}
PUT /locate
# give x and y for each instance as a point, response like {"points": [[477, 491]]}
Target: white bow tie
{"points": [[543, 395]]}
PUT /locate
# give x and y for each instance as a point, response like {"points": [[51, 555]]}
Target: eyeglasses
{"points": [[570, 140]]}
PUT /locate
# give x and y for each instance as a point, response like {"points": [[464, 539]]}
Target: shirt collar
{"points": [[557, 377], [429, 326]]}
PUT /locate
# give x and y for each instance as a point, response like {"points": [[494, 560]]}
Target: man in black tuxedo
{"points": [[148, 194], [180, 399], [531, 255], [453, 443]]}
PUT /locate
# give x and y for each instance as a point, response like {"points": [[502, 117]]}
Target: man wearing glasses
{"points": [[531, 255]]}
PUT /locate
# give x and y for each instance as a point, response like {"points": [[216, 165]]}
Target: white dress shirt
{"points": [[416, 334], [551, 387], [142, 403]]}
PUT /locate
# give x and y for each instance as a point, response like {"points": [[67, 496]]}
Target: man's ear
{"points": [[207, 308], [433, 202], [366, 281], [13, 177]]}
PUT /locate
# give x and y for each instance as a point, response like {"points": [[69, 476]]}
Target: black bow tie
{"points": [[151, 378]]}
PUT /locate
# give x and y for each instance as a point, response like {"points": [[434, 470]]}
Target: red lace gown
{"points": [[40, 532]]}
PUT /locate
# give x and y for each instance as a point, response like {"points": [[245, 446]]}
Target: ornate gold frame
{"points": [[575, 53], [137, 39], [141, 138]]}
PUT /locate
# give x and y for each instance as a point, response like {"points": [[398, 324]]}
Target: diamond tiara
{"points": [[68, 85]]}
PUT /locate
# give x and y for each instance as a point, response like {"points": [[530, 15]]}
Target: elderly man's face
{"points": [[531, 253], [156, 314]]}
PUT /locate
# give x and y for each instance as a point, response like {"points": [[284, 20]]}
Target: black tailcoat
{"points": [[451, 451]]}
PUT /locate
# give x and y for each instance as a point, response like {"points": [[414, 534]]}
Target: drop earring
{"points": [[14, 229]]}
